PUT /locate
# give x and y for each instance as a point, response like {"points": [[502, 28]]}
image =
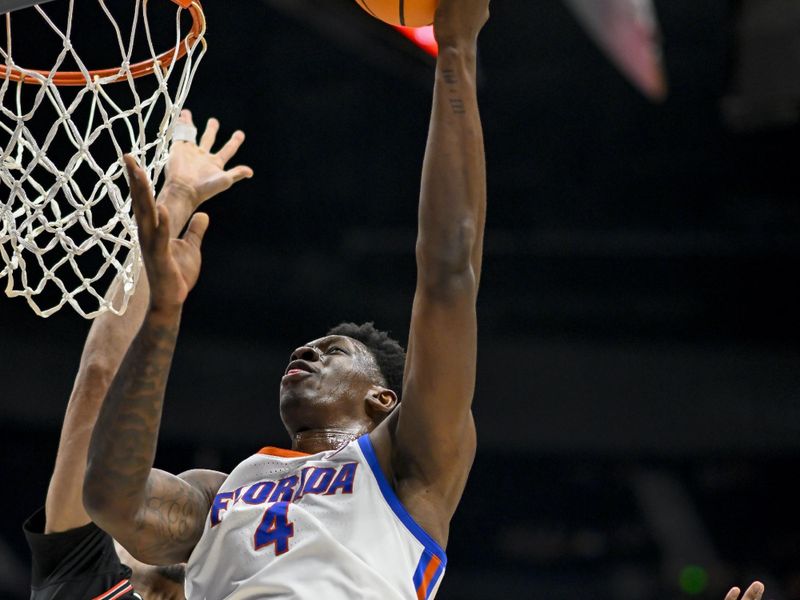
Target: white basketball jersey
{"points": [[325, 526]]}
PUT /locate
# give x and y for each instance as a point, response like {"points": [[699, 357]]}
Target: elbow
{"points": [[445, 263], [104, 513], [100, 503], [95, 501], [97, 372], [448, 252], [97, 507]]}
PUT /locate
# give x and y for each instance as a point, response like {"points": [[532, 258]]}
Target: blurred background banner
{"points": [[638, 400]]}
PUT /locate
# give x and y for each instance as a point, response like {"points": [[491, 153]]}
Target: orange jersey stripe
{"points": [[123, 587], [122, 592], [427, 576], [282, 452]]}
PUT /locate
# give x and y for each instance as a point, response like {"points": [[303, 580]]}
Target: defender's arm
{"points": [[434, 438], [193, 176], [105, 346], [158, 517]]}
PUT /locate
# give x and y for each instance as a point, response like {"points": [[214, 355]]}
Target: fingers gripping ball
{"points": [[409, 13]]}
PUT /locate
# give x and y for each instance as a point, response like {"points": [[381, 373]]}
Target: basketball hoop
{"points": [[66, 228], [112, 75]]}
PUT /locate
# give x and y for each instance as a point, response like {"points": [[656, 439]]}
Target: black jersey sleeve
{"points": [[79, 564]]}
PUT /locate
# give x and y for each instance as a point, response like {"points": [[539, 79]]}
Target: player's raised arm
{"points": [[158, 517], [193, 176], [434, 440]]}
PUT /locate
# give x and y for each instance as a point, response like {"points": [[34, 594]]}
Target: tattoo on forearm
{"points": [[457, 105], [450, 77], [123, 443]]}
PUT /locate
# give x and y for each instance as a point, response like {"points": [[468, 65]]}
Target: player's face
{"points": [[325, 385]]}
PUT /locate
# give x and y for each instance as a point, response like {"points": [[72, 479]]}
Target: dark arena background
{"points": [[638, 398]]}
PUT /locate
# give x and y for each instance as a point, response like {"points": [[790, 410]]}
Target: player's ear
{"points": [[380, 402]]}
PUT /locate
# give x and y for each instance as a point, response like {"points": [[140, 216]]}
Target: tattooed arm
{"points": [[194, 175], [156, 516]]}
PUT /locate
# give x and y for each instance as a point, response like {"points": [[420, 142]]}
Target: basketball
{"points": [[408, 13]]}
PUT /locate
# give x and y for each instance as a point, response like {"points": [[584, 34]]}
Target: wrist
{"points": [[175, 192], [163, 313], [178, 188], [181, 201], [457, 50]]}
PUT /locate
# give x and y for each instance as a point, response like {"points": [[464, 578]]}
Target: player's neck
{"points": [[312, 441]]}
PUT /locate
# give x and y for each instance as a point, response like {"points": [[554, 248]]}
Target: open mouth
{"points": [[299, 367]]}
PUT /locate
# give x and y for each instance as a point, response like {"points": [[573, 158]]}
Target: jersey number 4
{"points": [[275, 528]]}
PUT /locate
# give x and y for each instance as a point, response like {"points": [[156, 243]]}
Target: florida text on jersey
{"points": [[328, 525]]}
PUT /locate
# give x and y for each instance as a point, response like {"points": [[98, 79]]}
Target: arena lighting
{"points": [[693, 580], [422, 37], [628, 32]]}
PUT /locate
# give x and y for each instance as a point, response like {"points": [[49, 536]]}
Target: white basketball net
{"points": [[59, 238]]}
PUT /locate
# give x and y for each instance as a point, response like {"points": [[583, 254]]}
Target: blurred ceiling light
{"points": [[422, 37], [628, 32]]}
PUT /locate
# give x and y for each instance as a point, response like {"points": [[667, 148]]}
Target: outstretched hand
{"points": [[754, 592], [200, 172], [172, 265]]}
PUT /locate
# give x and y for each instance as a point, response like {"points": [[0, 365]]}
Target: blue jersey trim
{"points": [[419, 575], [423, 563], [394, 502]]}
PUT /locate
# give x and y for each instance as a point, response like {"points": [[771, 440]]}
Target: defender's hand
{"points": [[754, 592], [173, 265], [200, 173], [459, 22]]}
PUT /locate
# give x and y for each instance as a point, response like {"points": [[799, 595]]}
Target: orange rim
{"points": [[140, 69]]}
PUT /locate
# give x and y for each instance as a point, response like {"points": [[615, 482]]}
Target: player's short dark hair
{"points": [[176, 573], [388, 353]]}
